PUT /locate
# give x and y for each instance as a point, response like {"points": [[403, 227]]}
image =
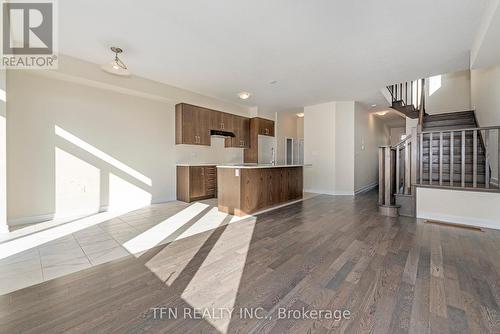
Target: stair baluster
{"points": [[487, 159]]}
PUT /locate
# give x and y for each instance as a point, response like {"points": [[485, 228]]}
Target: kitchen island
{"points": [[246, 189]]}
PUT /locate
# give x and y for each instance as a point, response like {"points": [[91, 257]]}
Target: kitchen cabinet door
{"points": [[197, 181]]}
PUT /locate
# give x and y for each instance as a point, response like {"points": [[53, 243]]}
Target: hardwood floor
{"points": [[326, 253]]}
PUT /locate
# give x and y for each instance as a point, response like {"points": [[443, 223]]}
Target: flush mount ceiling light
{"points": [[374, 106], [243, 95], [300, 114], [382, 113], [116, 66]]}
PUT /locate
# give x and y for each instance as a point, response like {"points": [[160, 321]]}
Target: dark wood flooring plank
{"points": [[393, 275]]}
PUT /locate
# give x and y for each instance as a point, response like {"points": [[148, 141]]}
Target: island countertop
{"points": [[253, 166]]}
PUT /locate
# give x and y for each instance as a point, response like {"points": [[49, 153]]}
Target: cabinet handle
{"points": [[203, 172], [222, 125]]}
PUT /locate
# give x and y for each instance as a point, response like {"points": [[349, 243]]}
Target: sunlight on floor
{"points": [[212, 286], [21, 244], [169, 272], [155, 235]]}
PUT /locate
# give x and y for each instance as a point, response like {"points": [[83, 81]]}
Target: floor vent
{"points": [[467, 227]]}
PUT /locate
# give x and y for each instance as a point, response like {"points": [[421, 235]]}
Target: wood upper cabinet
{"points": [[221, 121], [192, 125], [265, 127], [241, 130], [196, 182]]}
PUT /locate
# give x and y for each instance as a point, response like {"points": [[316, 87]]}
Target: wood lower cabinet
{"points": [[248, 190], [196, 182]]}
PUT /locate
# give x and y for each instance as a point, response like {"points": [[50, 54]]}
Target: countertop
{"points": [[253, 166], [196, 164]]}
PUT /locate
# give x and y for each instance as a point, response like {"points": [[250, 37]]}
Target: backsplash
{"points": [[216, 153]]}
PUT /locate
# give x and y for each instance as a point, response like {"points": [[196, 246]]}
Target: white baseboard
{"points": [[161, 200], [332, 193], [366, 188], [31, 219], [486, 223], [494, 181], [51, 216]]}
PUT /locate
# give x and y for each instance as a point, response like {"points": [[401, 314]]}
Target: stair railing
{"points": [[409, 93], [470, 141], [397, 169]]}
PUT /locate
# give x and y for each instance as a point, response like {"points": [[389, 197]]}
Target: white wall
{"points": [[344, 148], [485, 93], [287, 126], [329, 147], [3, 153], [131, 120], [461, 207], [370, 133], [396, 134], [300, 127], [319, 148], [410, 124], [451, 94]]}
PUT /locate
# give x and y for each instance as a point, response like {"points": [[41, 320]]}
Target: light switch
{"points": [[237, 172]]}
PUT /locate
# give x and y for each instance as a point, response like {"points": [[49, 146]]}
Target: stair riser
{"points": [[456, 170], [456, 160], [453, 115], [466, 122], [456, 178]]}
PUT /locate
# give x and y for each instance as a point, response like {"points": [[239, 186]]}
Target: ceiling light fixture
{"points": [[300, 114], [382, 113], [117, 66], [374, 106], [244, 95]]}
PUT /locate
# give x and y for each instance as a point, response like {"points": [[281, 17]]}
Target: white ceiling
{"points": [[317, 50]]}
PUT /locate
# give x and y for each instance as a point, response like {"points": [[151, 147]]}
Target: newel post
{"points": [[387, 181]]}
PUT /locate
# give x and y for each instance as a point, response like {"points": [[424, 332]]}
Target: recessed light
{"points": [[300, 114], [244, 95], [382, 113], [274, 82]]}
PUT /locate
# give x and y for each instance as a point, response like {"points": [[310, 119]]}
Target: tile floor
{"points": [[107, 241]]}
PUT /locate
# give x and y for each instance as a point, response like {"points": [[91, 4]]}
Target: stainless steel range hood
{"points": [[220, 133]]}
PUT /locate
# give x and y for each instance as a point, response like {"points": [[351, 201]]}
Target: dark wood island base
{"points": [[244, 190]]}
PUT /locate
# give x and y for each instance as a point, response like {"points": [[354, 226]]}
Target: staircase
{"points": [[441, 127], [448, 151], [407, 97]]}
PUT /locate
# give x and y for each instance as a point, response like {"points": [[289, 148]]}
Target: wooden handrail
{"points": [[461, 129]]}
